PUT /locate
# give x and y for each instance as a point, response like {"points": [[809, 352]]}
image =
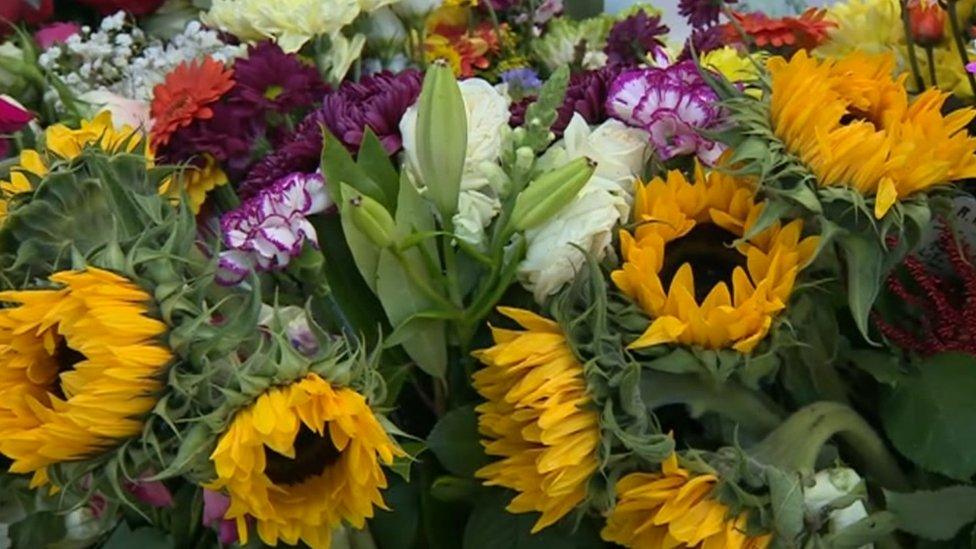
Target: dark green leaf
{"points": [[448, 488], [143, 538], [881, 365], [786, 496], [492, 527], [864, 257], [936, 515], [454, 440], [339, 167], [930, 416], [375, 163], [398, 527]]}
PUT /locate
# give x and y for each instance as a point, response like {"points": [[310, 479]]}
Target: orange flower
{"points": [[928, 21], [806, 32], [185, 94]]}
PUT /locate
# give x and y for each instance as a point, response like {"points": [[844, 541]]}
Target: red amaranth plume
{"points": [[944, 306]]}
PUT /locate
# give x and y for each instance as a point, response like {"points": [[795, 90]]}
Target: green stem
{"points": [[960, 43], [912, 59], [930, 56], [796, 444], [747, 408], [420, 283]]}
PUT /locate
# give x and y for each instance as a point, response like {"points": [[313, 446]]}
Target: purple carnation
{"points": [[701, 13], [377, 101], [632, 39], [585, 94], [672, 104], [271, 80], [270, 229]]}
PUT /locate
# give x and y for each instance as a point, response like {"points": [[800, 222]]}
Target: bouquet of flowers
{"points": [[487, 273]]}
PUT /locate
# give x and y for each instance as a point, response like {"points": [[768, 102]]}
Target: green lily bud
{"points": [[370, 217], [441, 137], [549, 193]]}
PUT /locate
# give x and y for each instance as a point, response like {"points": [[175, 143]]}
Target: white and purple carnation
{"points": [[673, 104], [271, 228]]}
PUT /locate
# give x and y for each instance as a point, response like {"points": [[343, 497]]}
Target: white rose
{"points": [[125, 111], [556, 249], [384, 29], [830, 485], [475, 212], [416, 9], [487, 114]]}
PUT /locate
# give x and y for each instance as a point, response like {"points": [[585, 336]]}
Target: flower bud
{"points": [[384, 30], [927, 20], [549, 193], [370, 217], [442, 137], [831, 485]]}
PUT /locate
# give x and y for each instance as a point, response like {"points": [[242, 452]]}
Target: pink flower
{"points": [[55, 33], [13, 118], [971, 67], [215, 506], [151, 492]]}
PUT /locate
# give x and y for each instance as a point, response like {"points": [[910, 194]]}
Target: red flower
{"points": [[942, 309], [806, 32], [13, 118], [185, 95], [135, 7], [19, 11], [927, 20]]}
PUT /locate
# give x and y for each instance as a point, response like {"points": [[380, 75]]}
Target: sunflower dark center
{"points": [[313, 453], [707, 248], [66, 358]]}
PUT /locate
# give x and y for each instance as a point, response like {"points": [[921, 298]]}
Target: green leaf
{"points": [[143, 538], [454, 440], [679, 361], [786, 494], [492, 527], [583, 9], [864, 258], [339, 167], [450, 489], [936, 515], [867, 530], [883, 367], [930, 415], [37, 530], [375, 163], [398, 527], [541, 114], [427, 344]]}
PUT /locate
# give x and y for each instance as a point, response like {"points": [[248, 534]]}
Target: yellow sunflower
{"points": [[674, 509], [852, 124], [538, 418], [80, 365], [681, 267], [301, 460]]}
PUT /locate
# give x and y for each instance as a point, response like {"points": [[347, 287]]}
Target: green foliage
{"points": [[937, 514], [491, 526], [930, 416], [454, 440]]}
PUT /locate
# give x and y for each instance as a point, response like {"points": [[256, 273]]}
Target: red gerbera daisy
{"points": [[807, 31], [185, 96]]}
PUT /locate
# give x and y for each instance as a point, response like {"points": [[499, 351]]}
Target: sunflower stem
{"points": [[796, 444], [930, 56], [912, 59], [960, 43]]}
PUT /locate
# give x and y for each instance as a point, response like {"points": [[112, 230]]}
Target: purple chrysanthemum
{"points": [[586, 94], [270, 229], [229, 136], [274, 81], [672, 104], [377, 101], [703, 41], [632, 39], [701, 13]]}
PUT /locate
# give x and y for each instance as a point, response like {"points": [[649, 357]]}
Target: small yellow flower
{"points": [[300, 461], [538, 418], [682, 267], [79, 368], [675, 509], [870, 26], [197, 180], [731, 64]]}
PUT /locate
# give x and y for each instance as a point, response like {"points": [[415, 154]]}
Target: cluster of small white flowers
{"points": [[121, 58]]}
